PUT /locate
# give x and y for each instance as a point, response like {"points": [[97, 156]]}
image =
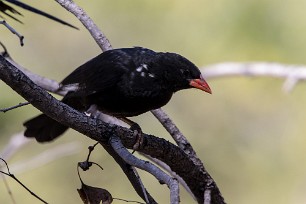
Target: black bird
{"points": [[123, 83], [4, 7]]}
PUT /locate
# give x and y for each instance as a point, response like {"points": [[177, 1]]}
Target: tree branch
{"points": [[10, 28], [161, 176], [131, 174], [292, 73], [168, 169], [3, 110], [95, 32], [8, 173]]}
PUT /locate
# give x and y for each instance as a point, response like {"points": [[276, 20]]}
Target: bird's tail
{"points": [[44, 128]]}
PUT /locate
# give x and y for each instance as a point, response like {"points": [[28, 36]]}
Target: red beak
{"points": [[200, 84]]}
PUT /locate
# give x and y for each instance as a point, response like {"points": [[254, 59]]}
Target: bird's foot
{"points": [[139, 138], [93, 112]]}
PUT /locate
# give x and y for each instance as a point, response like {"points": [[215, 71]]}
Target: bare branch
{"points": [[176, 134], [144, 190], [95, 32], [13, 31], [292, 73], [14, 107], [162, 177], [168, 169], [8, 173], [131, 174], [9, 191], [47, 84]]}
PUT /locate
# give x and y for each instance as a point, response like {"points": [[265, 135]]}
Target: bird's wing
{"points": [[99, 73], [4, 7]]}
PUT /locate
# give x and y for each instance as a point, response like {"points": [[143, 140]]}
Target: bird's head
{"points": [[180, 73]]}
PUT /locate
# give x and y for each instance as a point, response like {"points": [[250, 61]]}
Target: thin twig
{"points": [[8, 173], [168, 169], [8, 188], [141, 185], [292, 73], [90, 150], [128, 201], [131, 174], [47, 84], [95, 32], [13, 31], [14, 107], [161, 176], [173, 130]]}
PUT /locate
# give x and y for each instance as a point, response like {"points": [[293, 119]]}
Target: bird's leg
{"points": [[137, 131], [93, 112]]}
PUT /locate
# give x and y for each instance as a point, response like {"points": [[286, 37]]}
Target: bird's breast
{"points": [[125, 103]]}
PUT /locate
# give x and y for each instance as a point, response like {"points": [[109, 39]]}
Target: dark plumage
{"points": [[123, 83]]}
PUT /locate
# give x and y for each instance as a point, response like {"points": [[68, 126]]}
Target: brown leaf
{"points": [[94, 195]]}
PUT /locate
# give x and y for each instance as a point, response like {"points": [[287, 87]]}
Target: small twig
{"points": [[173, 130], [141, 184], [47, 84], [131, 174], [180, 139], [90, 150], [14, 107], [13, 31], [80, 165], [172, 183], [293, 73], [8, 188], [168, 169], [4, 53], [95, 32], [8, 173], [128, 201], [85, 165]]}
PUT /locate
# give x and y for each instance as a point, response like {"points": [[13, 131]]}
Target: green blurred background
{"points": [[249, 133]]}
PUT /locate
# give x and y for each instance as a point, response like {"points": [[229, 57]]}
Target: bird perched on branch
{"points": [[122, 83], [4, 7]]}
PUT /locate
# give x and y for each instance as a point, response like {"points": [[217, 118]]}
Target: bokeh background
{"points": [[249, 133]]}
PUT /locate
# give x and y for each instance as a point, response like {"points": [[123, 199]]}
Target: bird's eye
{"points": [[185, 72]]}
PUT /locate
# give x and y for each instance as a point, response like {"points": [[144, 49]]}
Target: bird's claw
{"points": [[137, 132], [93, 112]]}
